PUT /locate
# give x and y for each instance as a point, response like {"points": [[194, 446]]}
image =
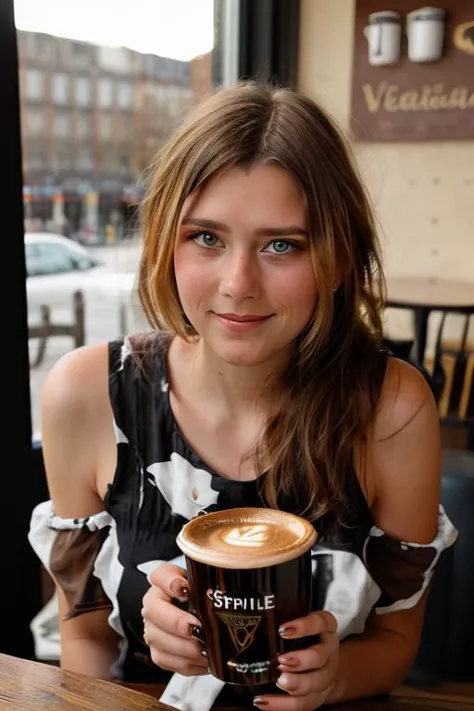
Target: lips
{"points": [[243, 318]]}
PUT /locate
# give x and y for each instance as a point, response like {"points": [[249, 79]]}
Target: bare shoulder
{"points": [[77, 379], [405, 455], [77, 429], [405, 395]]}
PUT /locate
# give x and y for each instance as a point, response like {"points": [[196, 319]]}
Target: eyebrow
{"points": [[263, 231]]}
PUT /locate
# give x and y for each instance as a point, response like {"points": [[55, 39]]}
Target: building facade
{"points": [[92, 119]]}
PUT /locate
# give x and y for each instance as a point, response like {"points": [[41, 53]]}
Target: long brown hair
{"points": [[329, 392]]}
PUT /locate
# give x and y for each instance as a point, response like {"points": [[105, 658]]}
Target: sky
{"points": [[180, 29]]}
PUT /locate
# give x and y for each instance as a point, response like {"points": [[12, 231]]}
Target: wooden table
{"points": [[424, 295], [31, 686]]}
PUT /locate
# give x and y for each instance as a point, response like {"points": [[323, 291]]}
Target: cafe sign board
{"points": [[413, 71]]}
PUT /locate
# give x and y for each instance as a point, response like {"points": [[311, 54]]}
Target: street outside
{"points": [[103, 324]]}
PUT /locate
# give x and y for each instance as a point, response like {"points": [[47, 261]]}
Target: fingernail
{"points": [[289, 661], [285, 631], [259, 702], [180, 590], [194, 629], [203, 652], [284, 682]]}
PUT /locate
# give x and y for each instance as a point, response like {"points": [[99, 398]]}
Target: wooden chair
{"points": [[48, 329], [456, 398]]}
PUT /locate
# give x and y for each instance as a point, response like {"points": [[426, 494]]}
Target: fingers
{"points": [[164, 645], [165, 616], [309, 683], [308, 659], [171, 581], [307, 675], [290, 703], [304, 692], [321, 622]]}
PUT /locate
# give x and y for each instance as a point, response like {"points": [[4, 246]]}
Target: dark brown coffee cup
{"points": [[249, 572]]}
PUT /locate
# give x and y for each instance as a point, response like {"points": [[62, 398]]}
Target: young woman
{"points": [[261, 383]]}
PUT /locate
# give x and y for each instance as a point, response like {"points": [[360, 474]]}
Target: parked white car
{"points": [[57, 267]]}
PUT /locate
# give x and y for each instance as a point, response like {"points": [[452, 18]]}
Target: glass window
{"points": [[61, 125], [124, 95], [60, 83], [83, 91], [36, 159], [84, 158], [62, 158], [96, 107], [83, 126], [34, 123], [34, 84], [105, 92], [105, 127]]}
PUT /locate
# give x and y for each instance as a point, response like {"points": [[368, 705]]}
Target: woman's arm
{"points": [[79, 450], [404, 465]]}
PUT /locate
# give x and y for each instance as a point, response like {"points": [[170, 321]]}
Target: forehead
{"points": [[260, 192]]}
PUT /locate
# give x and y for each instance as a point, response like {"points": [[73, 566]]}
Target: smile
{"points": [[242, 322]]}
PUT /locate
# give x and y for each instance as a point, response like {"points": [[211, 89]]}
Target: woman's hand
{"points": [[308, 675], [168, 630]]}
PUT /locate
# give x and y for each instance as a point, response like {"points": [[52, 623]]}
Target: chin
{"points": [[244, 355]]}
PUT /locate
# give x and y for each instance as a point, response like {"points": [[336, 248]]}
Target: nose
{"points": [[240, 277]]}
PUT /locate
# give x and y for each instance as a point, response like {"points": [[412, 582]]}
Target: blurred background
{"points": [[98, 97]]}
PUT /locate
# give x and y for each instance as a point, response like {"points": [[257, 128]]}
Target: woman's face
{"points": [[243, 266]]}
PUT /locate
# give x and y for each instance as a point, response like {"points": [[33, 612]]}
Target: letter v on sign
{"points": [[373, 99]]}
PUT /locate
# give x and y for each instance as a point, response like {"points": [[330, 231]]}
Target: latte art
{"points": [[246, 538], [257, 535]]}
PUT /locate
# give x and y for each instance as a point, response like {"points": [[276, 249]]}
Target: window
{"points": [[93, 114], [124, 127], [36, 159], [83, 126], [105, 92], [35, 123], [62, 158], [61, 125], [105, 127], [34, 84], [60, 88], [82, 91], [124, 95], [48, 258], [84, 158]]}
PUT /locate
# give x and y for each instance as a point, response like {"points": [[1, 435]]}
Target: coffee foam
{"points": [[246, 538]]}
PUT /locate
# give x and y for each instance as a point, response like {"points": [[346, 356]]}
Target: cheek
{"points": [[297, 289], [191, 278]]}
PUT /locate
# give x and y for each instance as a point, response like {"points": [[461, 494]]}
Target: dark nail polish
{"points": [[180, 590], [285, 631], [196, 631], [259, 702]]}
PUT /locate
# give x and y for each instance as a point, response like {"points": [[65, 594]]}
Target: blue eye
{"points": [[280, 246], [206, 239]]}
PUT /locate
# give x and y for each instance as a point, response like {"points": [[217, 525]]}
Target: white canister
{"points": [[383, 34], [425, 32]]}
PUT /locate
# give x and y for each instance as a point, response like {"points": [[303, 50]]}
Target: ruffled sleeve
{"points": [[403, 570], [69, 549]]}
